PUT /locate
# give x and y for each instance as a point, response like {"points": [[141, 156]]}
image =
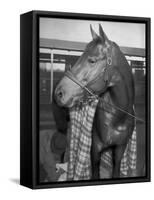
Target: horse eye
{"points": [[84, 81], [92, 61]]}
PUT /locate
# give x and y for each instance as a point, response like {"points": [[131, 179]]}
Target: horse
{"points": [[103, 71]]}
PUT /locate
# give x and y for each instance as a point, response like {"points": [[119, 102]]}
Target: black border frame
{"points": [[29, 134]]}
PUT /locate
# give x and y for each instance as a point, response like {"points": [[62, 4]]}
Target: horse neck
{"points": [[119, 95], [123, 90]]}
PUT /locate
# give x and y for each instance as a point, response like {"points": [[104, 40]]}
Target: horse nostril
{"points": [[60, 94]]}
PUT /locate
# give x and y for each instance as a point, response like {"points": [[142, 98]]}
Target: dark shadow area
{"points": [[15, 180]]}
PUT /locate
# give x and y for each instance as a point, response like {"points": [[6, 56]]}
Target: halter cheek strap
{"points": [[106, 73], [109, 61], [104, 76]]}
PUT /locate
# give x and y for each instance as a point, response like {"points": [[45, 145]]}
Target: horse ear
{"points": [[93, 33], [102, 34]]}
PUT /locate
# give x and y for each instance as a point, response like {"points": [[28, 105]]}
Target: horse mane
{"points": [[124, 69]]}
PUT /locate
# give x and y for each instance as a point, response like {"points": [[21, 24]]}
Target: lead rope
{"points": [[97, 97]]}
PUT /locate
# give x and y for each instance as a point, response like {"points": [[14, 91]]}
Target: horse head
{"points": [[95, 70]]}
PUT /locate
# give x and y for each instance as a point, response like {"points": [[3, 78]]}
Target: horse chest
{"points": [[104, 118]]}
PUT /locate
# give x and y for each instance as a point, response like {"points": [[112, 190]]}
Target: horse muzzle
{"points": [[61, 98]]}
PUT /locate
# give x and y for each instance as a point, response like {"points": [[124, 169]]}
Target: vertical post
{"points": [[51, 77]]}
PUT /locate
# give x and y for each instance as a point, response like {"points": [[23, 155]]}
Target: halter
{"points": [[86, 87], [71, 76]]}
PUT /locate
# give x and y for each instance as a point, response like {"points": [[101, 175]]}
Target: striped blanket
{"points": [[80, 139]]}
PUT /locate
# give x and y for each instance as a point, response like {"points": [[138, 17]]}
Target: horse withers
{"points": [[102, 70]]}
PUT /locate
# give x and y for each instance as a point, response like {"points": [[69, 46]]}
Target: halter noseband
{"points": [[74, 79]]}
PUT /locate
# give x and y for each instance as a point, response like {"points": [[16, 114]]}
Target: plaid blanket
{"points": [[79, 163], [129, 160]]}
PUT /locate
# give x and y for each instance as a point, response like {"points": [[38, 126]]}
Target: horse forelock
{"points": [[90, 50]]}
